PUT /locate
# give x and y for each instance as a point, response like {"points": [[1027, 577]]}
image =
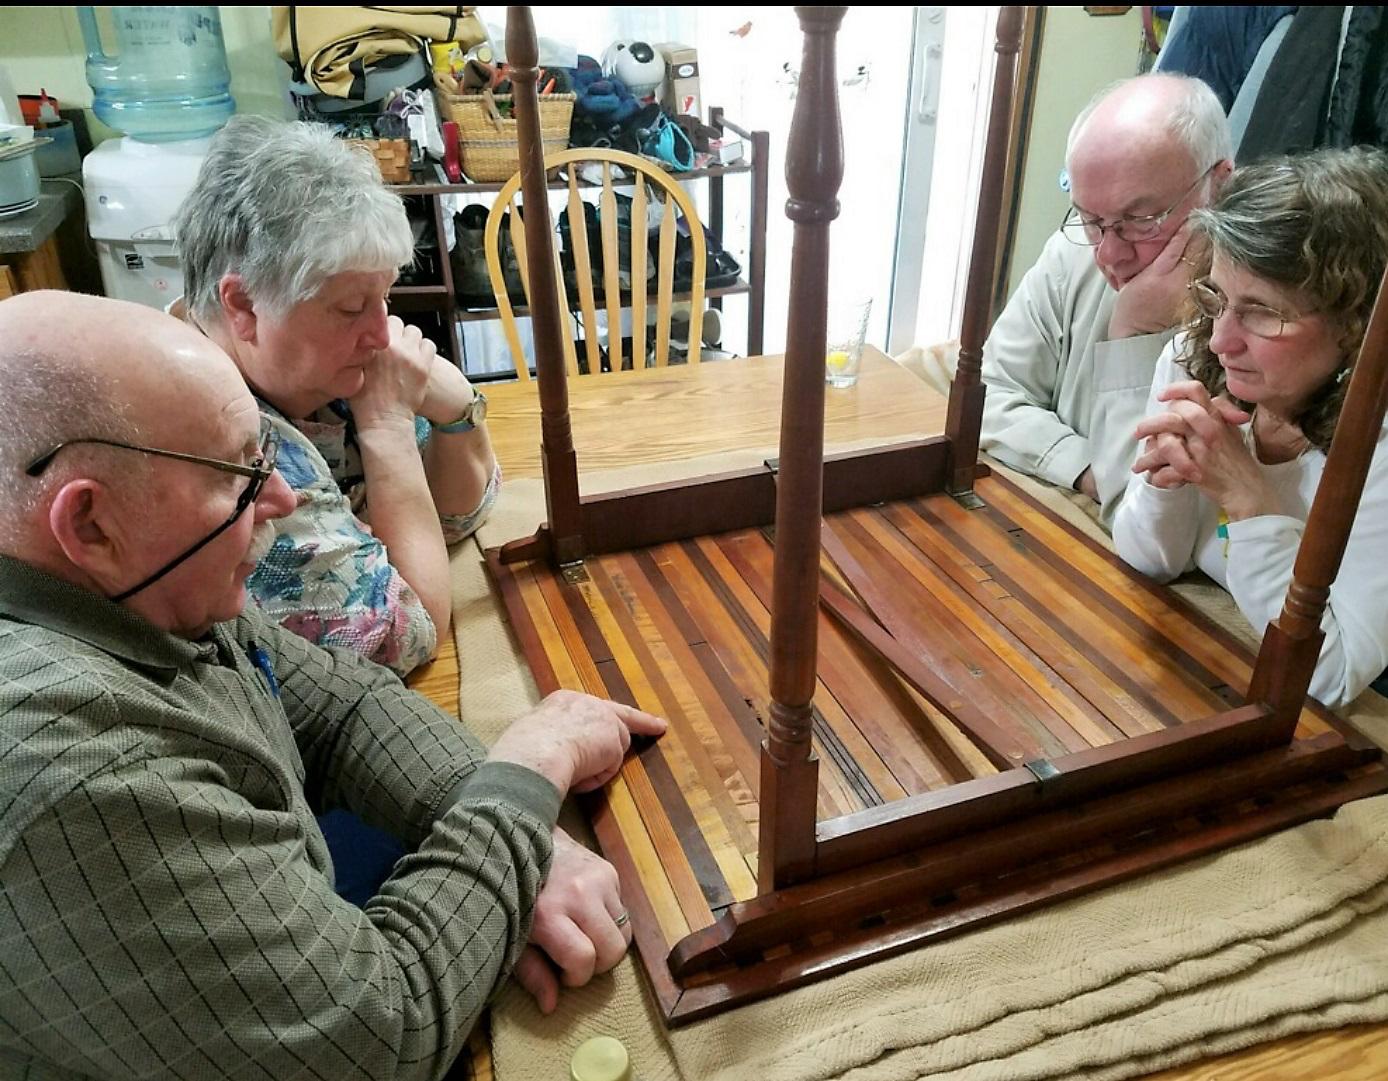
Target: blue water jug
{"points": [[169, 79]]}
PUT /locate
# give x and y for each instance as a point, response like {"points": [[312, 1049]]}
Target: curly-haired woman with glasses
{"points": [[1244, 404]]}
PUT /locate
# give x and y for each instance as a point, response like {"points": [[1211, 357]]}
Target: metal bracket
{"points": [[1042, 770], [773, 465], [574, 573], [969, 500]]}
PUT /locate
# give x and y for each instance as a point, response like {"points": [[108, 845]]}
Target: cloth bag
{"points": [[331, 47]]}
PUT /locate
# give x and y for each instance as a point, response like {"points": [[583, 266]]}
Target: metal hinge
{"points": [[1042, 769], [969, 500]]}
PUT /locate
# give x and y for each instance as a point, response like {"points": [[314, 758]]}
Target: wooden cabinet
{"points": [[440, 298]]}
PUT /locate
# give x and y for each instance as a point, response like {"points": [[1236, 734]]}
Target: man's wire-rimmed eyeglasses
{"points": [[1087, 231]]}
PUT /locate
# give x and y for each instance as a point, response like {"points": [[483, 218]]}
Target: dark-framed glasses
{"points": [[259, 471], [1258, 319], [1087, 231]]}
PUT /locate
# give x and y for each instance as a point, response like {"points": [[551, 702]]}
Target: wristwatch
{"points": [[471, 417]]}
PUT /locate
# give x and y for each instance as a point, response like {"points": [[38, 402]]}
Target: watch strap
{"points": [[467, 421]]}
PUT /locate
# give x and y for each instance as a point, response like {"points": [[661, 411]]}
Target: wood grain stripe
{"points": [[945, 649], [751, 556], [715, 776], [1086, 688], [537, 655], [1058, 605], [647, 858], [566, 643], [1224, 658], [1083, 725], [621, 619]]}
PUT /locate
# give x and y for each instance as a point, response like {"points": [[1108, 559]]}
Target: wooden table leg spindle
{"points": [[814, 171], [966, 392], [547, 320]]}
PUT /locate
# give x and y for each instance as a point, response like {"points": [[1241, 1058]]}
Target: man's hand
{"points": [[1085, 483], [574, 740], [396, 380], [1151, 301], [576, 934]]}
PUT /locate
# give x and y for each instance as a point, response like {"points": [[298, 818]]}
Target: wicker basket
{"points": [[490, 144], [392, 158]]}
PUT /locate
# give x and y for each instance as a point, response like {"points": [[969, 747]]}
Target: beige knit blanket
{"points": [[1282, 936]]}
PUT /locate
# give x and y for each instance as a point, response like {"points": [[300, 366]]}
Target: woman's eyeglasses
{"points": [[1257, 319]]}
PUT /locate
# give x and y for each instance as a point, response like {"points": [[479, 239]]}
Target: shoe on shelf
{"points": [[711, 328], [471, 283], [720, 268]]}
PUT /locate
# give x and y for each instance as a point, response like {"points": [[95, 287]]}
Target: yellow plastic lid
{"points": [[601, 1059]]}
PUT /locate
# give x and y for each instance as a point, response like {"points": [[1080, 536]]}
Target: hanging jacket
{"points": [[1290, 113], [1359, 102], [1218, 44], [331, 47]]}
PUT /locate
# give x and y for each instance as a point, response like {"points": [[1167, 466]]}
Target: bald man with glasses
{"points": [[1070, 360], [166, 896]]}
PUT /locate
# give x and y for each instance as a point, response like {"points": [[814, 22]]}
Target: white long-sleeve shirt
{"points": [[1061, 398], [1165, 533]]}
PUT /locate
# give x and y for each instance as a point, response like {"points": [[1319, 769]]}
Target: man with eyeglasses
{"points": [[166, 897], [1069, 362]]}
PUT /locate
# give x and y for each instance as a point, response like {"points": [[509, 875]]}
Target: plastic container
{"points": [[61, 156], [19, 182], [168, 80], [603, 1058]]}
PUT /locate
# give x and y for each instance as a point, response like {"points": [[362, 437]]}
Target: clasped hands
{"points": [[409, 378], [1198, 441]]}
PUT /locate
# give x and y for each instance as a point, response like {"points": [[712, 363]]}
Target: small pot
{"points": [[19, 182]]}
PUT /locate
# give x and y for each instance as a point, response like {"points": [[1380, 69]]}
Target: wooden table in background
{"points": [[684, 412]]}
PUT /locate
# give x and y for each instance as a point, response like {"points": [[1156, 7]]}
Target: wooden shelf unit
{"points": [[442, 298]]}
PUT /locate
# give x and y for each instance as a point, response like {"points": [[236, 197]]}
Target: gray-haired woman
{"points": [[1244, 404], [290, 244]]}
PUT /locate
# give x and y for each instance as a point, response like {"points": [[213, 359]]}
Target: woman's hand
{"points": [[396, 380], [448, 393], [1197, 441]]}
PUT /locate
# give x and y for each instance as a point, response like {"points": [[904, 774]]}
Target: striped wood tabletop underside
{"points": [[1039, 630]]}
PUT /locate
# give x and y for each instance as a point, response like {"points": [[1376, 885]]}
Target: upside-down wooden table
{"points": [[905, 698], [730, 398]]}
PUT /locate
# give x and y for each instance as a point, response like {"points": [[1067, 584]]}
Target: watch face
{"points": [[479, 408]]}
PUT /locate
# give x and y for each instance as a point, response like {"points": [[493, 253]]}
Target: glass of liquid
{"points": [[843, 351]]}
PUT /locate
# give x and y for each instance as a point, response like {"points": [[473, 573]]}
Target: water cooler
{"points": [[133, 190], [166, 87]]}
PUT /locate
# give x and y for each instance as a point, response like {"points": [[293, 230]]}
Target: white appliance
{"points": [[133, 190]]}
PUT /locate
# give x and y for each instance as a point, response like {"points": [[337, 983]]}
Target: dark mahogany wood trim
{"points": [[965, 415]]}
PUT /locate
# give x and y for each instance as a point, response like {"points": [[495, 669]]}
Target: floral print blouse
{"points": [[327, 578]]}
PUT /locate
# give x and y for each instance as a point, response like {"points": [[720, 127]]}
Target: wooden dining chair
{"points": [[632, 250]]}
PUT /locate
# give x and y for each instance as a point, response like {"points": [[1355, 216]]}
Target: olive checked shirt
{"points": [[166, 897]]}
